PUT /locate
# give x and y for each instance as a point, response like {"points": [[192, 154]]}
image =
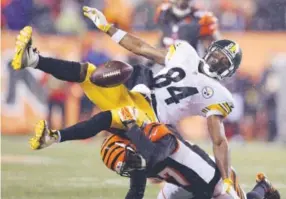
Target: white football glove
{"points": [[127, 115], [97, 18], [130, 115], [229, 189]]}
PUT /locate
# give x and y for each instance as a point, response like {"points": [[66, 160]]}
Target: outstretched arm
{"points": [[221, 152], [126, 40], [137, 187], [220, 144]]}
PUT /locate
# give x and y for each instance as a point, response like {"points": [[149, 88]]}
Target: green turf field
{"points": [[74, 170]]}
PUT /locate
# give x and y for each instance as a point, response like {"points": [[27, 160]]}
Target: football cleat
{"points": [[25, 55], [270, 191], [43, 137]]}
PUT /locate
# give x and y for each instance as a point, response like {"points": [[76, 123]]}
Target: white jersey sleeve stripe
{"points": [[223, 109]]}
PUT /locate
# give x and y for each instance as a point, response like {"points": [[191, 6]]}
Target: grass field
{"points": [[74, 170]]}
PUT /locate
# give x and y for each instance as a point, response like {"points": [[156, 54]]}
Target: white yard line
{"points": [[25, 159]]}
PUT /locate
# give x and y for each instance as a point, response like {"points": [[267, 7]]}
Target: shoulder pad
{"points": [[156, 131], [180, 52]]}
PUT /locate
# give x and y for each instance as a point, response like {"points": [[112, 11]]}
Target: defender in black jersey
{"points": [[180, 20], [158, 152], [155, 151]]}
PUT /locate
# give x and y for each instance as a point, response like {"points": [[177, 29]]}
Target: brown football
{"points": [[112, 73]]}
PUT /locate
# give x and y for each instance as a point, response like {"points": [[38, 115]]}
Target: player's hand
{"points": [[97, 18], [229, 189], [127, 115], [130, 116]]}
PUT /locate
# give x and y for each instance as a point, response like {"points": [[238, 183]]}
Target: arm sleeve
{"points": [[88, 128], [137, 185], [153, 152]]}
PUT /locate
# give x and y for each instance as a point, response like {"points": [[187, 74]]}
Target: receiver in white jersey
{"points": [[181, 90]]}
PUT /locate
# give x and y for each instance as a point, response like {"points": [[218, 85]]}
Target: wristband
{"points": [[228, 181], [118, 35]]}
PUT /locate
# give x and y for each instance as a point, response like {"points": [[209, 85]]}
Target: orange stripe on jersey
{"points": [[208, 24]]}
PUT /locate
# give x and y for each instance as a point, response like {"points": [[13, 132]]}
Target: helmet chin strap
{"points": [[181, 13]]}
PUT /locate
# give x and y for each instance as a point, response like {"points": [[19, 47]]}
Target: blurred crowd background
{"points": [[53, 16], [258, 113]]}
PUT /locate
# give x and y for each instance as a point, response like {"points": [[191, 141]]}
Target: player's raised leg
{"points": [[104, 98], [24, 55], [44, 136], [27, 56]]}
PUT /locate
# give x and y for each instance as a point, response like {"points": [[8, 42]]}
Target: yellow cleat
{"points": [[23, 42], [43, 137]]}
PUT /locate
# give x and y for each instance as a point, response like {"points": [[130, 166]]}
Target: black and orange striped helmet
{"points": [[120, 155], [113, 152]]}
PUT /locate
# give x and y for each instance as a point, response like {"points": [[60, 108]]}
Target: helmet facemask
{"points": [[218, 63], [132, 161]]}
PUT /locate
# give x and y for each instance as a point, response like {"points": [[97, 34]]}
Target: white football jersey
{"points": [[182, 91]]}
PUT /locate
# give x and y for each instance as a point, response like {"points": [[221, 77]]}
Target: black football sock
{"points": [[61, 69], [87, 129], [258, 192]]}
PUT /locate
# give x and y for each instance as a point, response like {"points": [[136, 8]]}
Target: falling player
{"points": [[156, 151], [186, 86]]}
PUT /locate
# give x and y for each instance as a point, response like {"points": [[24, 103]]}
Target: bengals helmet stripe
{"points": [[113, 151], [119, 156], [105, 142], [106, 152]]}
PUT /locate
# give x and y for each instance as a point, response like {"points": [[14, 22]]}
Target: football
{"points": [[112, 73]]}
